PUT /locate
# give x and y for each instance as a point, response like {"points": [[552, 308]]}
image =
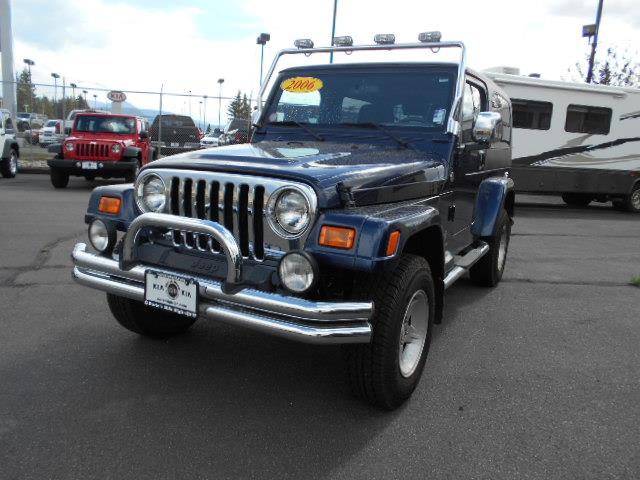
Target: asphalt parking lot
{"points": [[537, 378]]}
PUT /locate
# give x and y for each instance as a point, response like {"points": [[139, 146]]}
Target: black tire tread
{"points": [[147, 321], [484, 272], [365, 370]]}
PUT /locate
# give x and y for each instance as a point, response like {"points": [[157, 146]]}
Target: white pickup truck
{"points": [[9, 149]]}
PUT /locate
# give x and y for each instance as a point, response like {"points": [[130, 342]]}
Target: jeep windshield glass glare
{"points": [[419, 99], [105, 124]]}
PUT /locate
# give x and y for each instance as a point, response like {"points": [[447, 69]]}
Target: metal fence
{"points": [[175, 122]]}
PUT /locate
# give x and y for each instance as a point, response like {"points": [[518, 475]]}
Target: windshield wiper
{"points": [[377, 126], [304, 126]]}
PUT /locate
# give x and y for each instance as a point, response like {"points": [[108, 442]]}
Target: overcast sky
{"points": [[188, 45]]}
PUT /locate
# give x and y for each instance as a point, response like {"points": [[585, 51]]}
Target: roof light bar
{"points": [[303, 43], [345, 41], [430, 37], [385, 39]]}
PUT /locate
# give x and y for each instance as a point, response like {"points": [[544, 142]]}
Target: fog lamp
{"points": [[298, 271], [429, 37], [102, 236], [385, 39], [344, 41]]}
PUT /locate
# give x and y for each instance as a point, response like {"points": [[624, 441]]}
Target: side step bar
{"points": [[464, 263]]}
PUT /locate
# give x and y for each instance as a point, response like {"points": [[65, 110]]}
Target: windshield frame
{"points": [[80, 116]]}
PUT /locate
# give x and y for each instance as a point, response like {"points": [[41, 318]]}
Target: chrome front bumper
{"points": [[290, 317]]}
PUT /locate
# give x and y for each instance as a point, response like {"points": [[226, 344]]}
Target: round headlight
{"points": [[69, 146], [151, 194], [291, 212], [102, 237], [297, 272], [115, 148]]}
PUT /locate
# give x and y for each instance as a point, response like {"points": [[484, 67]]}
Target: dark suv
{"points": [[173, 134], [366, 190]]}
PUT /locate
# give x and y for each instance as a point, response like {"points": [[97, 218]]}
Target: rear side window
{"points": [[586, 119], [531, 114]]}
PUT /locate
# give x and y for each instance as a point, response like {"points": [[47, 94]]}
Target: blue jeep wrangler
{"points": [[365, 191]]}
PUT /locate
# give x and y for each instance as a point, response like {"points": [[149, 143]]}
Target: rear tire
{"points": [[631, 203], [577, 199], [487, 272], [9, 166], [147, 321], [59, 179], [386, 371]]}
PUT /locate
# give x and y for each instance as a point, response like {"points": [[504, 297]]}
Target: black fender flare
{"points": [[132, 152]]}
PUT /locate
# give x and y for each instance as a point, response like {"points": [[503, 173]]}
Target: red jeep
{"points": [[102, 145]]}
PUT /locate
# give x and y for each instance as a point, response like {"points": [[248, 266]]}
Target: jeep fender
{"points": [[132, 152], [128, 210], [494, 194], [373, 225], [56, 148]]}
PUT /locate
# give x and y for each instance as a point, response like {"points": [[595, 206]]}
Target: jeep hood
{"points": [[338, 172]]}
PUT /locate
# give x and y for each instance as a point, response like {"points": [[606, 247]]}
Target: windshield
{"points": [[105, 124], [393, 98]]}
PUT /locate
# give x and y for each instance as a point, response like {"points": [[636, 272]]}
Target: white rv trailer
{"points": [[576, 140]]}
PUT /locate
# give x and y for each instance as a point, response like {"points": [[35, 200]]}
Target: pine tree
{"points": [[239, 107]]}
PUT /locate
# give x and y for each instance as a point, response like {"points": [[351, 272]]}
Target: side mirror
{"points": [[487, 127], [144, 135], [255, 118], [67, 131]]}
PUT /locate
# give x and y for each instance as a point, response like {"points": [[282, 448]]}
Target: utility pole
{"points": [[594, 42], [220, 82], [30, 63], [73, 92], [6, 44], [262, 41], [55, 92], [205, 111], [85, 98], [333, 28]]}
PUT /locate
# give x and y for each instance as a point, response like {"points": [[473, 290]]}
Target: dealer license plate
{"points": [[90, 165], [175, 144], [172, 293]]}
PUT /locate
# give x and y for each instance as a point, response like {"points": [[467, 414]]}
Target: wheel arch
{"points": [[429, 244]]}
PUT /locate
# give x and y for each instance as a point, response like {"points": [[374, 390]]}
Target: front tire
{"points": [[10, 165], [386, 371], [130, 177], [487, 272], [59, 179], [147, 321]]}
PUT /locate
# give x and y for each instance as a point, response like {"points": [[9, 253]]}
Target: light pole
{"points": [[189, 102], [55, 92], [333, 28], [30, 63], [85, 97], [220, 82], [95, 101], [205, 111], [200, 114], [262, 41], [592, 31], [73, 92]]}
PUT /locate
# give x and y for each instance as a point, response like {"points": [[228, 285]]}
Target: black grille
{"points": [[239, 207], [92, 150]]}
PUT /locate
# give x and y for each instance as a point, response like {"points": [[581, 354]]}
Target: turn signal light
{"points": [[337, 237], [394, 240], [110, 205]]}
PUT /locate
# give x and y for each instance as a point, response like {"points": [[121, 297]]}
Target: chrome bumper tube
{"points": [[289, 317]]}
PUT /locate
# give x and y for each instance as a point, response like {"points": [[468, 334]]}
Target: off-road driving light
{"points": [[429, 37], [102, 236], [290, 212], [68, 146], [298, 271], [116, 148], [345, 41], [385, 39], [303, 43], [150, 194]]}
